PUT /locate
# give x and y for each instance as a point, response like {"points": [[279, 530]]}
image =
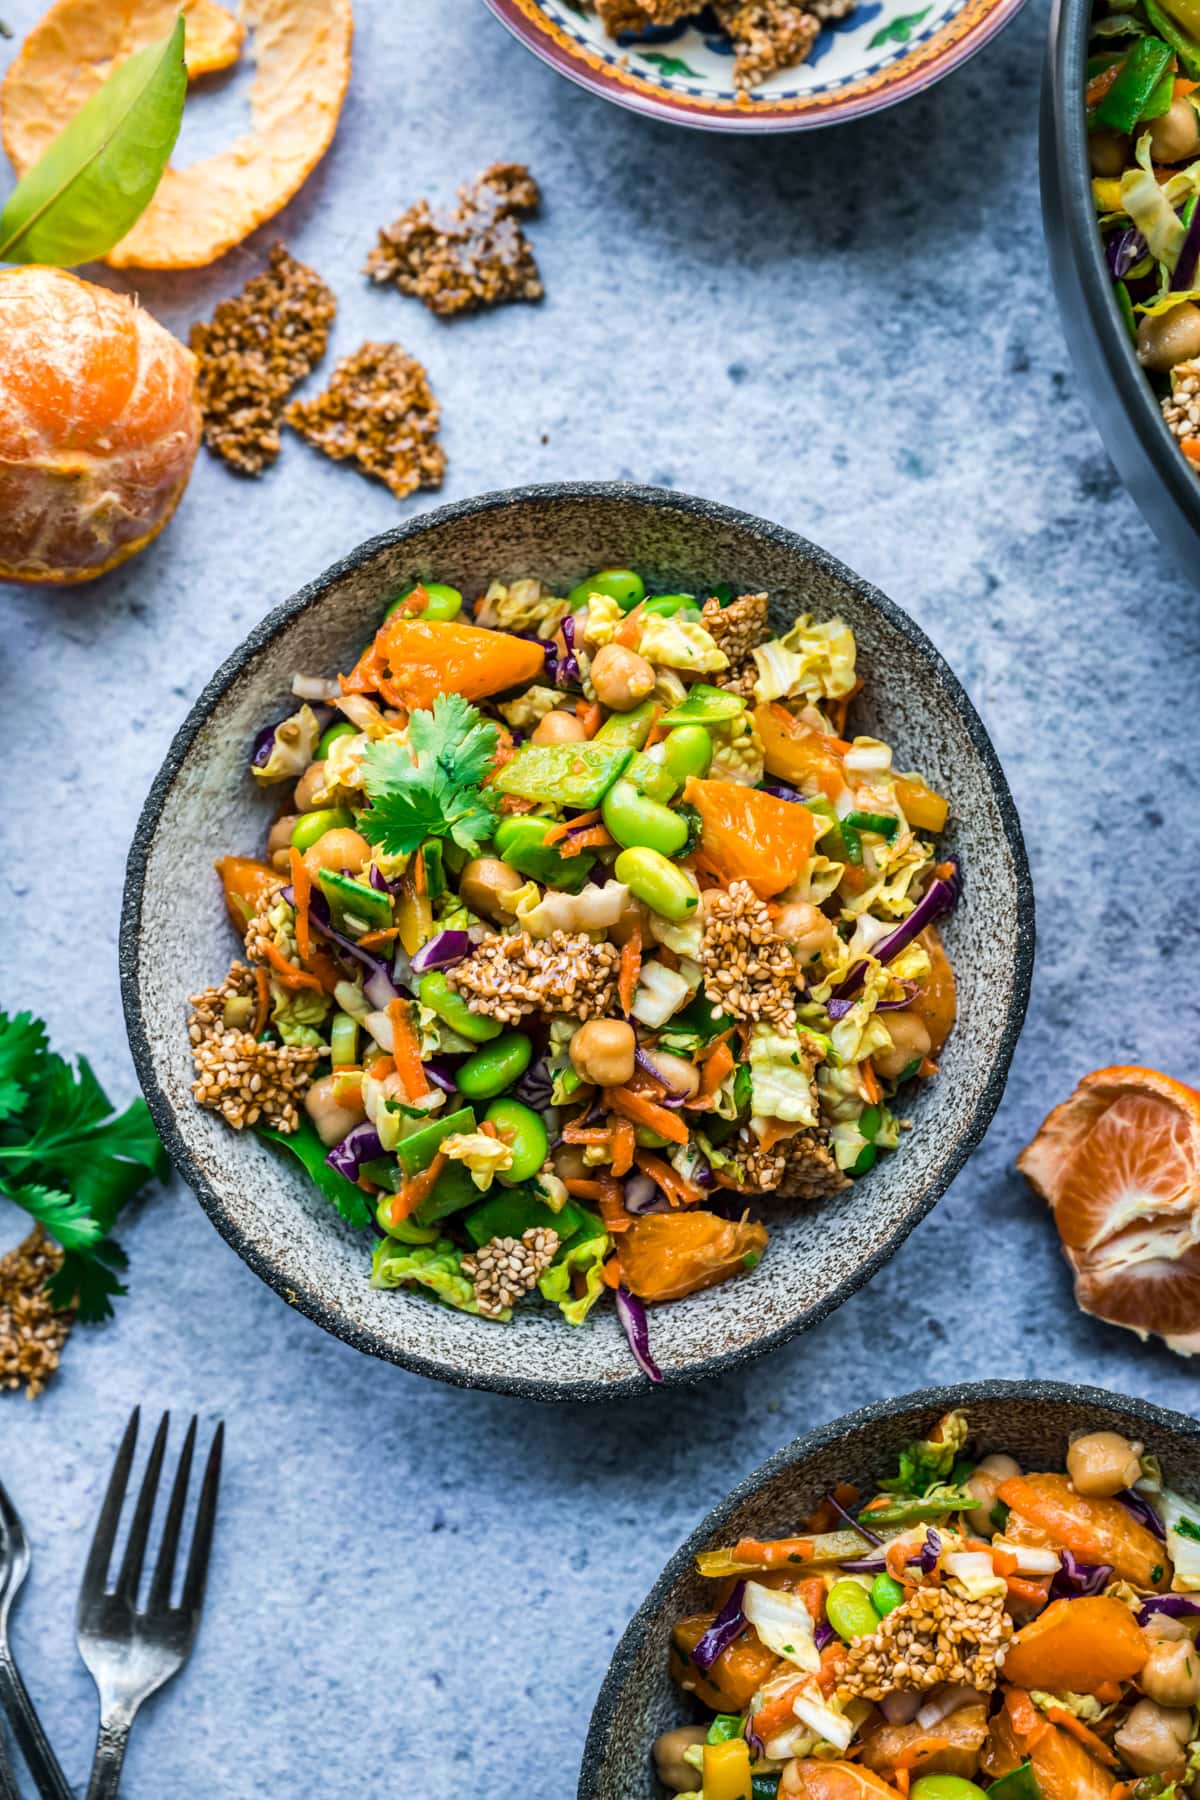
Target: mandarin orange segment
{"points": [[1094, 1530], [731, 1682], [794, 752], [935, 1002], [99, 426], [1062, 1767], [1076, 1646], [246, 883], [666, 1255], [746, 835], [412, 661], [811, 1779], [1144, 1292]]}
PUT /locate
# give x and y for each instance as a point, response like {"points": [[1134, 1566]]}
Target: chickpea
{"points": [[558, 728], [569, 1163], [602, 1051], [310, 784], [1108, 152], [279, 842], [341, 848], [673, 1772], [805, 928], [681, 1077], [1161, 1628], [1153, 1737], [1170, 338], [621, 678], [483, 881], [982, 1483], [1101, 1463], [910, 1043], [1171, 1674], [1176, 135], [331, 1116], [633, 916]]}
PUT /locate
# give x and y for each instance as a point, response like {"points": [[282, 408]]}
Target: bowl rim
{"points": [[762, 117], [960, 1395], [282, 1280], [1067, 201]]}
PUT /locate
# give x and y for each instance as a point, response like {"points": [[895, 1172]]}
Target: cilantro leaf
{"points": [[22, 1047], [64, 1216], [89, 1281], [438, 793]]}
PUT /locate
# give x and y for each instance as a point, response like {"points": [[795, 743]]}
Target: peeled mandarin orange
{"points": [[412, 661], [1119, 1164], [99, 426], [730, 1683], [794, 751], [1077, 1646], [936, 1001], [667, 1255], [811, 1779], [746, 835], [1092, 1529]]}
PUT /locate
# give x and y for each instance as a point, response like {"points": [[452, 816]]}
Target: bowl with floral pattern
{"points": [[755, 65]]}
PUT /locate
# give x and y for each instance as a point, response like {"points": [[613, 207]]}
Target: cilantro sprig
{"points": [[430, 787], [70, 1162]]}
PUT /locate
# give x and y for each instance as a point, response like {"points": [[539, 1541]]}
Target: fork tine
{"points": [[143, 1512], [164, 1572], [95, 1574], [206, 1512]]}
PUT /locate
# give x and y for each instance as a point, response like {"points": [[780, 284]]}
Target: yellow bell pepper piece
{"points": [[924, 810], [1106, 193], [727, 1770]]}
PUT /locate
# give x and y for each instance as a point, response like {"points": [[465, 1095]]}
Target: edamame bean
{"points": [[436, 993], [621, 585], [649, 1139], [407, 1230], [850, 1611], [665, 888], [665, 606], [443, 602], [524, 1133], [886, 1595], [688, 750], [945, 1787], [313, 825], [635, 820], [490, 1071], [331, 734]]}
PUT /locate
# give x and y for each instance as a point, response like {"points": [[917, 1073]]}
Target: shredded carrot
{"points": [[1028, 1722], [777, 1714], [833, 1659], [381, 1068], [629, 631], [1034, 1592], [870, 1084], [715, 1067], [1107, 1692], [772, 1553], [678, 1191], [576, 1133], [566, 825], [1191, 448], [263, 1007], [1099, 85], [901, 1782], [596, 837], [631, 968], [591, 718], [895, 1559], [416, 1189], [644, 1112], [580, 1188], [1058, 1715], [347, 1086], [624, 1144], [420, 873], [301, 895], [1183, 87], [613, 1214], [370, 938], [488, 1128], [288, 973], [406, 1051]]}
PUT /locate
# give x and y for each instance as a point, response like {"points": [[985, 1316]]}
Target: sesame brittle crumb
{"points": [[505, 1268], [378, 409], [246, 1081], [32, 1329], [474, 256]]}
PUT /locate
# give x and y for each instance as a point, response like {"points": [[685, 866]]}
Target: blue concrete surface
{"points": [[415, 1591]]}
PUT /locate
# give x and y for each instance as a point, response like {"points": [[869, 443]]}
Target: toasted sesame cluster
{"points": [[809, 1169], [505, 1268], [748, 970], [244, 1080], [738, 627], [263, 930], [933, 1637], [638, 15], [1181, 407], [474, 256], [768, 35], [32, 1329], [380, 410], [257, 347], [509, 976]]}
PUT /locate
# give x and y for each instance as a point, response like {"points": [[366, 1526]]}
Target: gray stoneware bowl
{"points": [[175, 938], [1123, 404], [1032, 1420]]}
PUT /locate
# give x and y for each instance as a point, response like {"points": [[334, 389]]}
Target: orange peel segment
{"points": [[301, 51]]}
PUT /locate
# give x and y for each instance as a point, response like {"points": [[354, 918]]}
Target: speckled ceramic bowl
{"points": [[175, 938], [882, 52], [1031, 1420]]}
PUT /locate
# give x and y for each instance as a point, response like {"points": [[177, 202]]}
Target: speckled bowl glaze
{"points": [[1031, 1420], [175, 938], [882, 52]]}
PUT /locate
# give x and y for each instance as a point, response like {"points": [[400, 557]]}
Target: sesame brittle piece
{"points": [[472, 257], [931, 1638], [32, 1329], [246, 1081], [379, 410], [505, 1268], [768, 35], [749, 971], [809, 1169], [738, 627], [258, 345], [508, 976]]}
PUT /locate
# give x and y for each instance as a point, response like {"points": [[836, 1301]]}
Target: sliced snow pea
{"points": [[343, 1041], [621, 585], [436, 993], [520, 841], [706, 705], [577, 775], [665, 889], [632, 728], [650, 778], [912, 1511], [883, 824], [513, 1213], [688, 750], [850, 1612], [407, 1230], [1019, 1784], [726, 1726], [331, 734], [1141, 71], [866, 1160], [443, 602], [764, 1785], [313, 825], [416, 1151], [636, 821], [1186, 47], [490, 1070], [523, 1131], [355, 905]]}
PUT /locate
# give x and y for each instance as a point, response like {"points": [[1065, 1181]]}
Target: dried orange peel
{"points": [[301, 51]]}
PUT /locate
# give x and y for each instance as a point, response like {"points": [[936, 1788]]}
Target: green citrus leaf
{"points": [[100, 173]]}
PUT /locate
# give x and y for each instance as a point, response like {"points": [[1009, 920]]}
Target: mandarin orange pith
{"points": [[99, 426]]}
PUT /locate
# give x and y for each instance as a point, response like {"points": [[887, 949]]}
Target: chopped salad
{"points": [[1143, 114], [969, 1628], [584, 925]]}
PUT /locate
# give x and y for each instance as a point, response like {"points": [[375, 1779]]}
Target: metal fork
{"points": [[14, 1701], [129, 1652]]}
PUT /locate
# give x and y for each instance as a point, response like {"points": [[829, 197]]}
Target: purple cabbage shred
{"points": [[728, 1625], [635, 1325]]}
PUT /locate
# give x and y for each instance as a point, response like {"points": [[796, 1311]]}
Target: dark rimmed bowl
{"points": [[1123, 404], [175, 940], [1032, 1420]]}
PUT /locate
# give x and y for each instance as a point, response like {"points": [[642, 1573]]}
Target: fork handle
{"points": [[111, 1740], [48, 1777]]}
